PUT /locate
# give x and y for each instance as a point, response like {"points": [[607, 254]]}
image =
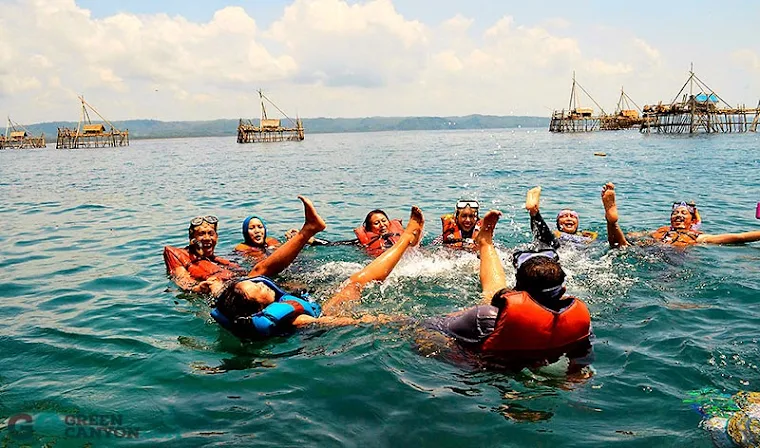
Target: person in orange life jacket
{"points": [[256, 244], [197, 262], [197, 269], [684, 229], [460, 229], [532, 320], [378, 232], [567, 224], [253, 308]]}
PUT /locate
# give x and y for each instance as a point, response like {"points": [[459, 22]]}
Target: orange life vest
{"points": [[198, 268], [452, 234], [526, 325], [377, 244], [256, 251], [677, 238]]}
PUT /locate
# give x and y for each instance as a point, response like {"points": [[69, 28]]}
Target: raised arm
{"points": [[615, 235], [730, 238], [541, 231]]}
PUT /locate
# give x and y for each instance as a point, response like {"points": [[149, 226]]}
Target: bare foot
{"points": [[610, 206], [313, 223], [532, 199], [485, 236], [416, 225]]}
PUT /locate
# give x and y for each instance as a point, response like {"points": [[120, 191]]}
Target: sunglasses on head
{"points": [[521, 256], [465, 204], [198, 220], [690, 206]]}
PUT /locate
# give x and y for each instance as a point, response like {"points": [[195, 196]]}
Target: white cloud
{"points": [[319, 58]]}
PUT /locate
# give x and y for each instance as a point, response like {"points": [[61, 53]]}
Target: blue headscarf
{"points": [[247, 237]]}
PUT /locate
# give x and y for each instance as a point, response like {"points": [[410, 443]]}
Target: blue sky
{"points": [[178, 60]]}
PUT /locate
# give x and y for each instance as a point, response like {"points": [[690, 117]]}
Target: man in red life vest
{"points": [[535, 320]]}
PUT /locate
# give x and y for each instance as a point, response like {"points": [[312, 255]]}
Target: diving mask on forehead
{"points": [[567, 211], [521, 256], [198, 220], [464, 204], [690, 206]]}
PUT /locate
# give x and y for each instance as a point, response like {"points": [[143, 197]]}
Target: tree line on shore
{"points": [[225, 127]]}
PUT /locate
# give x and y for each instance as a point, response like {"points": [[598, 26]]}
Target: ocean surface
{"points": [[91, 328]]}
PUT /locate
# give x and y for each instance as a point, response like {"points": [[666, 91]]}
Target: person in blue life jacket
{"points": [[256, 307], [567, 224]]}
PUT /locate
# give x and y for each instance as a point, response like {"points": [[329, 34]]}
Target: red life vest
{"points": [[452, 234], [526, 325], [677, 238], [198, 268], [377, 244]]}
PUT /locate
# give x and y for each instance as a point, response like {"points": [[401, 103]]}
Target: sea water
{"points": [[93, 332]]}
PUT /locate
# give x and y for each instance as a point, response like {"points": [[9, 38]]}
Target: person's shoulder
{"points": [[242, 247]]}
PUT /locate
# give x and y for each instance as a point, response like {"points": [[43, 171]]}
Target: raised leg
{"points": [[285, 254], [379, 268], [492, 276], [615, 235]]}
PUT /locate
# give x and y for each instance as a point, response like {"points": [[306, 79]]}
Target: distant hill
{"points": [[169, 129]]}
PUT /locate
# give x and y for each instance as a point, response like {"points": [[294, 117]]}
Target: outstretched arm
{"points": [[730, 238], [541, 231], [615, 234]]}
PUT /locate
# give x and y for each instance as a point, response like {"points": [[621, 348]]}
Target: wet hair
{"points": [[537, 274], [367, 224], [233, 304]]}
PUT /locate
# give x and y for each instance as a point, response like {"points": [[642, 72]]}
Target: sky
{"points": [[180, 60]]}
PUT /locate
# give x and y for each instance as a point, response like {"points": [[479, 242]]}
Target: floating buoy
{"points": [[600, 154]]}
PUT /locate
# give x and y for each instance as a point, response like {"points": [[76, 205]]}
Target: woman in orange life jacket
{"points": [[256, 244], [567, 224], [378, 232], [243, 306], [534, 322], [684, 229], [196, 268], [461, 228]]}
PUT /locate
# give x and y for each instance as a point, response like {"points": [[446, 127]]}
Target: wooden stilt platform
{"points": [[91, 135]]}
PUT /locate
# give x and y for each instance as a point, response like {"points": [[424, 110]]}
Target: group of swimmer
{"points": [[535, 319]]}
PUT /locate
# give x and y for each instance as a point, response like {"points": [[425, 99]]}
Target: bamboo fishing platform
{"points": [[91, 135], [582, 119], [269, 130], [699, 111], [18, 137]]}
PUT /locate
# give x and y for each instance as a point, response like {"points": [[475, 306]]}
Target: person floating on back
{"points": [[684, 229]]}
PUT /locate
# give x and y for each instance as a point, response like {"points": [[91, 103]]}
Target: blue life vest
{"points": [[274, 320]]}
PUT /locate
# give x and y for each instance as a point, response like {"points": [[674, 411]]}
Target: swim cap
{"points": [[247, 237]]}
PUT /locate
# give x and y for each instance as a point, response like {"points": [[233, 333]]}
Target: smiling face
{"points": [[681, 218], [203, 239], [467, 218], [257, 231], [378, 223], [256, 292], [567, 222]]}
